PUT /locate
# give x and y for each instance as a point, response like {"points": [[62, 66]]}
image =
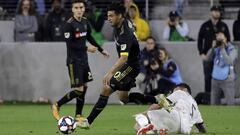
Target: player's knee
{"points": [[107, 91], [79, 88]]}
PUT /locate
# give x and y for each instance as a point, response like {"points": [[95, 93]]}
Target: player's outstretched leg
{"points": [[68, 97], [55, 111], [97, 109], [80, 100]]}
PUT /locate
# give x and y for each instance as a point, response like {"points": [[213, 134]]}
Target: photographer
{"points": [[168, 70], [175, 29], [224, 55], [146, 79]]}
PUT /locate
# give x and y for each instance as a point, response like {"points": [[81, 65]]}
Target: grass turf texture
{"points": [[115, 120]]}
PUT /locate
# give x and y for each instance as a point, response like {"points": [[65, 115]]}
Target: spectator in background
{"points": [[96, 19], [41, 8], [206, 36], [179, 5], [224, 55], [141, 26], [55, 22], [175, 29], [127, 4], [146, 76], [169, 71], [25, 21], [236, 28]]}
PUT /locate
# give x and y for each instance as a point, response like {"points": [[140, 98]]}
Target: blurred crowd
{"points": [[159, 72]]}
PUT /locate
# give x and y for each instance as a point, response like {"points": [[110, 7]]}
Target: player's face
{"points": [[113, 18], [216, 14], [78, 9]]}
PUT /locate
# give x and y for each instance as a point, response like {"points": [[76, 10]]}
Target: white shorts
{"points": [[163, 119]]}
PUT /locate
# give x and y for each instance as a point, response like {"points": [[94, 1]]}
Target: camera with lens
{"points": [[152, 61], [219, 43]]}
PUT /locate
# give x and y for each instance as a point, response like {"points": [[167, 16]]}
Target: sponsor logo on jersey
{"points": [[80, 34]]}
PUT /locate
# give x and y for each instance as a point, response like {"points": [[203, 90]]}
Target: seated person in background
{"points": [[236, 28], [175, 29], [141, 26], [169, 71], [55, 22], [26, 21], [224, 56], [175, 114]]}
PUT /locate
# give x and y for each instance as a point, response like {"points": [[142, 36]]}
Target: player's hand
{"points": [[204, 57], [106, 79], [91, 49], [105, 54]]}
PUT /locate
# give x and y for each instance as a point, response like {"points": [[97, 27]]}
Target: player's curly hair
{"points": [[184, 85], [117, 7]]}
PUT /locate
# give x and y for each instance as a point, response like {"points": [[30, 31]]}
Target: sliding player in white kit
{"points": [[175, 114]]}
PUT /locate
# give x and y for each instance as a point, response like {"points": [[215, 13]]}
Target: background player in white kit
{"points": [[175, 114]]}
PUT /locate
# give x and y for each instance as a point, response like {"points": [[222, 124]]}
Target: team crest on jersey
{"points": [[123, 47], [66, 34]]}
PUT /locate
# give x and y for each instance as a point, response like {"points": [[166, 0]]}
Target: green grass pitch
{"points": [[114, 120]]}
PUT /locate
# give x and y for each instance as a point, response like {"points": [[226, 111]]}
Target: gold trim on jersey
{"points": [[71, 74], [119, 76], [70, 19]]}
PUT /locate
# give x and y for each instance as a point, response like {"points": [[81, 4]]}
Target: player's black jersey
{"points": [[76, 33], [127, 43]]}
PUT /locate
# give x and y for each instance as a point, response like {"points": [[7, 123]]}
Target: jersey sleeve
{"points": [[91, 39], [125, 44]]}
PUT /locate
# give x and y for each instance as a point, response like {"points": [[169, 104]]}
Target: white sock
{"points": [[142, 120]]}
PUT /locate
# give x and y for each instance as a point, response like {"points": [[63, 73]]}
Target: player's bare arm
{"points": [[121, 61]]}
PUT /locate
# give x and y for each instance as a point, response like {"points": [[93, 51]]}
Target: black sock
{"points": [[80, 101], [68, 97], [97, 109]]}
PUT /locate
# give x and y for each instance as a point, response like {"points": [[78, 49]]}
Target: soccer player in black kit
{"points": [[76, 31], [122, 74]]}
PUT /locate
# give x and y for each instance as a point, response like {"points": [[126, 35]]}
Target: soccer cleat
{"points": [[55, 111], [79, 117], [163, 131], [144, 130], [83, 124], [163, 102]]}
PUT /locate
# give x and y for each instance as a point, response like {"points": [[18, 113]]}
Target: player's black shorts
{"points": [[124, 78], [79, 74]]}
